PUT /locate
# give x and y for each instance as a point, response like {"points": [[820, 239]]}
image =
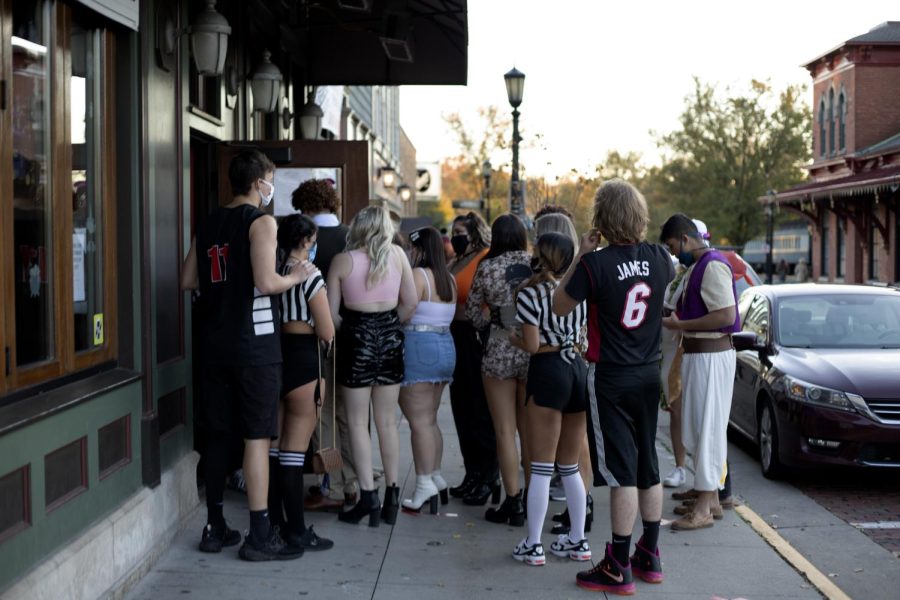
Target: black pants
{"points": [[470, 411]]}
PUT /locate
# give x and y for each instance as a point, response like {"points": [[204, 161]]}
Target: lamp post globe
{"points": [[486, 168], [515, 87]]}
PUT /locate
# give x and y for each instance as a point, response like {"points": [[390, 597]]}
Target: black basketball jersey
{"points": [[624, 287], [240, 326]]}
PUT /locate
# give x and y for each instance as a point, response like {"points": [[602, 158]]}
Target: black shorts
{"points": [[300, 353], [369, 349], [554, 383], [622, 411], [242, 400]]}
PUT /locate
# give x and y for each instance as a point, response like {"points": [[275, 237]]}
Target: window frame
{"points": [[66, 360]]}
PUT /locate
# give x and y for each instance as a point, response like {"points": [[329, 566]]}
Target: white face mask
{"points": [[267, 198]]}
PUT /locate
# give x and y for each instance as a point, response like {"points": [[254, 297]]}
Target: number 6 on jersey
{"points": [[635, 305]]}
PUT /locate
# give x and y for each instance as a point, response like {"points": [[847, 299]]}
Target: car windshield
{"points": [[840, 321]]}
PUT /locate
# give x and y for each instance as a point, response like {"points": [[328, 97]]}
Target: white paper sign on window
{"points": [[79, 242]]}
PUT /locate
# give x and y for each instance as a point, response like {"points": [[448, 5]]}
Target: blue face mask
{"points": [[685, 257], [312, 252]]}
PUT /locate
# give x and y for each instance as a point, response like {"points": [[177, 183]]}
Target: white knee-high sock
{"points": [[538, 498], [576, 500]]}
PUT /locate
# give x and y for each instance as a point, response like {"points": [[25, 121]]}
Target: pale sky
{"points": [[600, 75]]}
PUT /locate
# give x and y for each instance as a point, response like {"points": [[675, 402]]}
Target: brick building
{"points": [[852, 200]]}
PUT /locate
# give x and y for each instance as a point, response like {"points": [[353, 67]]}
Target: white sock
{"points": [[538, 499], [576, 500]]}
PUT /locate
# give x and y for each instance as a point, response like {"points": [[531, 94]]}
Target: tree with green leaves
{"points": [[730, 149]]}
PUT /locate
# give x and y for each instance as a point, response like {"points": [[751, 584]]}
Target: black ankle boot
{"points": [[481, 491], [368, 505], [391, 504], [465, 487], [564, 524], [512, 511]]}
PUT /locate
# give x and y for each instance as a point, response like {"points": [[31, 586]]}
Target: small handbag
{"points": [[327, 460]]}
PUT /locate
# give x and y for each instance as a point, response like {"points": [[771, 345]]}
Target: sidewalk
{"points": [[460, 555]]}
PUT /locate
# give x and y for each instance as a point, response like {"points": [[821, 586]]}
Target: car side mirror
{"points": [[747, 340]]}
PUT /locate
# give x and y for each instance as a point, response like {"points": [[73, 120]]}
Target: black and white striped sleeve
{"points": [[528, 307]]}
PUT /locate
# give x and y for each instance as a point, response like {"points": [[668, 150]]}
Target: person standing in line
{"points": [[707, 315], [504, 367], [624, 283], [555, 400], [318, 199], [305, 320], [783, 270], [374, 281], [232, 261], [477, 443], [428, 364]]}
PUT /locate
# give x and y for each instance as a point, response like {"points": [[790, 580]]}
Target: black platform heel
{"points": [[564, 524], [463, 489], [391, 504], [512, 511], [478, 496], [368, 505]]}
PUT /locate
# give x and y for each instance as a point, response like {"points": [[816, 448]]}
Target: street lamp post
{"points": [[486, 175], [515, 86], [770, 233]]}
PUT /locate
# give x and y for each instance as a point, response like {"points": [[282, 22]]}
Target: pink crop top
{"points": [[353, 287], [439, 314]]}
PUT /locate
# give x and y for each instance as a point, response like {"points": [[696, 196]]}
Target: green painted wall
{"points": [[29, 445]]}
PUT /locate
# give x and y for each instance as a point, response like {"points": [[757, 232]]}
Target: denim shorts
{"points": [[429, 357]]}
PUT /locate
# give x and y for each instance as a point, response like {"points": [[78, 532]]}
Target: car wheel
{"points": [[768, 442]]}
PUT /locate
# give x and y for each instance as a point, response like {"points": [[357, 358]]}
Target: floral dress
{"points": [[495, 286]]}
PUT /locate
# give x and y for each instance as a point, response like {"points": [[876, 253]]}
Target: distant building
{"points": [[852, 200]]}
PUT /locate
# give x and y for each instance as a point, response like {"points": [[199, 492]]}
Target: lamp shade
{"points": [[515, 86], [209, 40], [486, 169], [405, 192], [266, 85], [311, 120], [388, 177]]}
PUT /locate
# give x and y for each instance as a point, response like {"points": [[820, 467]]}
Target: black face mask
{"points": [[459, 243]]}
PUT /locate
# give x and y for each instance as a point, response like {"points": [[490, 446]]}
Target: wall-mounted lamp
{"points": [[209, 39], [311, 117], [405, 192], [388, 176], [265, 83]]}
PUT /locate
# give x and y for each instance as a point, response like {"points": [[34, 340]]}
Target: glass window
{"points": [[842, 110], [757, 317], [825, 247], [841, 248], [840, 321], [874, 251], [822, 127], [831, 121], [32, 206], [87, 205]]}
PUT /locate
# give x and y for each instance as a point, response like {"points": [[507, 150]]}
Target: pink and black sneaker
{"points": [[646, 564], [608, 576]]}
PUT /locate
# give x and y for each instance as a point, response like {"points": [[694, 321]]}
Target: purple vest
{"points": [[691, 305]]}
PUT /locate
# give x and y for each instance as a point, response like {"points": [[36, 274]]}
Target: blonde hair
{"points": [[620, 212], [556, 223], [373, 231]]}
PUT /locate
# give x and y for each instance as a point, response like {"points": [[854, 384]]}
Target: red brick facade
{"points": [[852, 200]]}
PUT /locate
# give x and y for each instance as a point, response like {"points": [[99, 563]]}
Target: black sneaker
{"points": [[215, 538], [608, 576], [645, 565], [272, 548], [310, 541]]}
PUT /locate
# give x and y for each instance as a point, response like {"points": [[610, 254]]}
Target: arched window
{"points": [[831, 121], [841, 114], [822, 127]]}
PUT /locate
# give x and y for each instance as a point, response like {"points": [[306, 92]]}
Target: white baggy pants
{"points": [[707, 381]]}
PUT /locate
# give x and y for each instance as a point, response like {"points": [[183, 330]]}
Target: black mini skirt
{"points": [[300, 356], [369, 349]]}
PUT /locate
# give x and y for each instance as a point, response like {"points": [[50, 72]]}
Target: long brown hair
{"points": [[428, 240], [554, 253]]}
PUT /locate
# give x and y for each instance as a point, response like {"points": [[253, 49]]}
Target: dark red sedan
{"points": [[818, 375]]}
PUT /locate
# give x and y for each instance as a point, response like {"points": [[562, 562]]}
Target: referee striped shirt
{"points": [[533, 307], [295, 301]]}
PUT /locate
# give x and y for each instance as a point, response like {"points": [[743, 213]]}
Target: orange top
{"points": [[464, 278]]}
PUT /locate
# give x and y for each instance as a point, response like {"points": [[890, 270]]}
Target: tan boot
{"points": [[690, 522], [686, 509]]}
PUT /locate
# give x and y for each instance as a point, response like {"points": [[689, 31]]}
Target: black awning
{"points": [[388, 42]]}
